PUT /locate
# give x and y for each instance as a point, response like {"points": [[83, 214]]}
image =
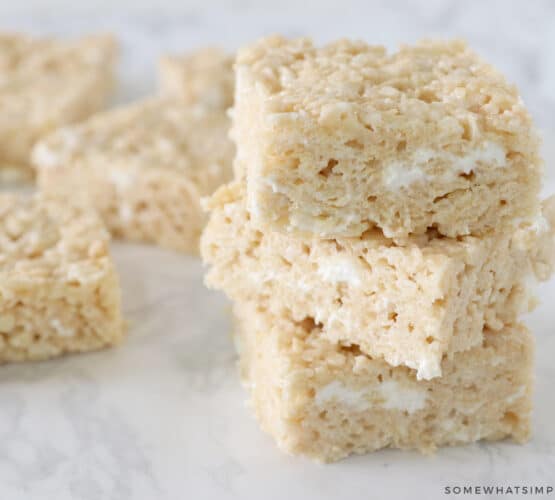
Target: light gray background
{"points": [[163, 417]]}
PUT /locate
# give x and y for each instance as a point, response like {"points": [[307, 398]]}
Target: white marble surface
{"points": [[163, 417]]}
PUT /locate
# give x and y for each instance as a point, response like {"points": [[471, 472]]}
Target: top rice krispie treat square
{"points": [[339, 139]]}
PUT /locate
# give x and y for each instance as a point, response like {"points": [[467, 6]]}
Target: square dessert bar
{"points": [[144, 167], [205, 75], [410, 305], [45, 84], [59, 292], [325, 401], [334, 141]]}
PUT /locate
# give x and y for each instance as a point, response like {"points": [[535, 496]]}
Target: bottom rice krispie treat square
{"points": [[59, 291], [325, 401]]}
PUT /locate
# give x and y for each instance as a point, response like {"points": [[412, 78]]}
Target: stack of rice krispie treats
{"points": [[378, 241]]}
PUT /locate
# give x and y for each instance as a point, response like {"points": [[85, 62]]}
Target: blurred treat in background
{"points": [[46, 83]]}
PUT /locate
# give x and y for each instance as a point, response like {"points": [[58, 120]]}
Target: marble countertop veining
{"points": [[164, 416]]}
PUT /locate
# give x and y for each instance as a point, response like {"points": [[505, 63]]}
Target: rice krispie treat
{"points": [[325, 401], [46, 83], [409, 305], [205, 75], [335, 140], [59, 292], [144, 167]]}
